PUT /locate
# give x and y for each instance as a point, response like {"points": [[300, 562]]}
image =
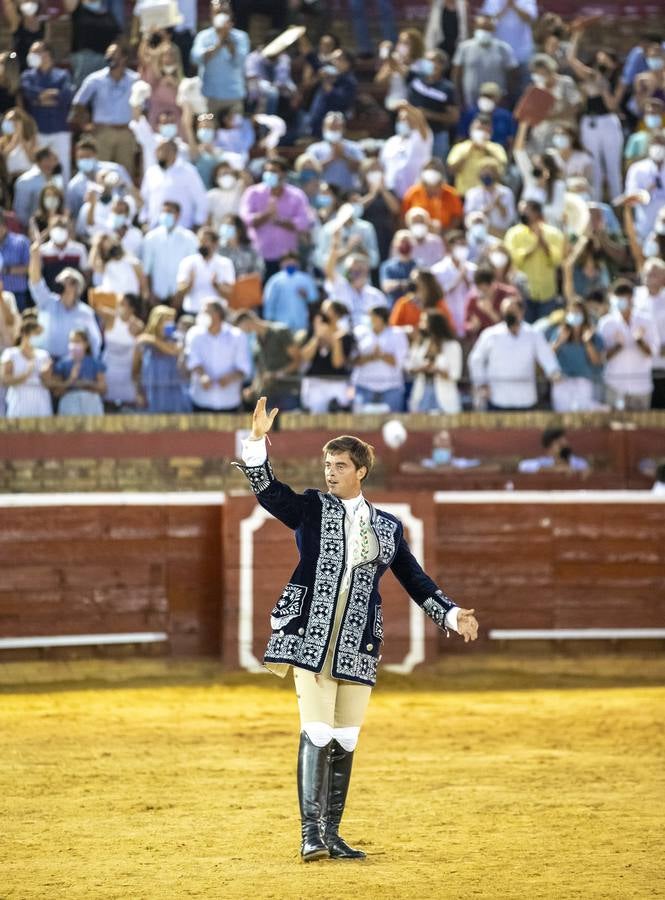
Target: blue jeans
{"points": [[394, 398], [441, 145], [361, 25]]}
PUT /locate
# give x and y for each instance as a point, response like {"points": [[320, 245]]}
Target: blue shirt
{"points": [[109, 98], [58, 320], [26, 194], [15, 250], [286, 299], [49, 119], [336, 170], [90, 367], [223, 75], [162, 254], [503, 124], [80, 184], [573, 358], [395, 269]]}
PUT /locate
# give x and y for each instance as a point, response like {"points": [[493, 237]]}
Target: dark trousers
{"points": [[208, 409]]}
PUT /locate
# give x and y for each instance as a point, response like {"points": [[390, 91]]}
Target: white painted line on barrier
{"points": [[561, 497], [574, 634], [131, 498], [83, 640]]}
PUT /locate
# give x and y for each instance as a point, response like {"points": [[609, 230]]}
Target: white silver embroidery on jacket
{"points": [[259, 477], [436, 607]]}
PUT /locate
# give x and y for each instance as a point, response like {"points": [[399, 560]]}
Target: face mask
{"points": [[402, 50], [204, 251], [205, 135], [118, 220], [584, 195], [169, 70], [482, 35], [539, 80], [59, 235], [57, 181], [227, 232], [404, 248], [403, 128], [461, 253], [270, 179], [168, 130], [333, 137], [162, 163], [659, 228], [652, 120], [478, 232], [167, 219], [29, 9], [76, 351], [226, 181], [478, 135], [86, 164], [655, 63], [431, 177], [291, 269], [112, 62], [656, 152], [620, 303], [498, 260], [565, 453], [561, 141], [221, 20], [323, 201], [358, 210], [374, 179], [426, 68], [94, 6], [203, 320], [487, 180], [524, 218], [419, 230], [510, 319], [51, 203], [307, 176], [486, 104], [574, 319], [441, 456], [34, 60], [8, 126], [169, 330]]}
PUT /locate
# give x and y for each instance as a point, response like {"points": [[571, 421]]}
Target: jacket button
{"points": [[370, 646], [301, 631], [281, 634]]}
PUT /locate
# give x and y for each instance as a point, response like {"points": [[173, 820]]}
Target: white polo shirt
{"points": [[204, 272]]}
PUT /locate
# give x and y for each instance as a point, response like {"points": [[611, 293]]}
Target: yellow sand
{"points": [[490, 779]]}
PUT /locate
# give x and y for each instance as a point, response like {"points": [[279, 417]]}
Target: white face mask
{"points": [[34, 60], [482, 35], [402, 127], [59, 235], [419, 230], [431, 177], [374, 178], [539, 80], [486, 104], [657, 152], [498, 260], [478, 136], [226, 182], [561, 141], [203, 320], [460, 253], [478, 231], [29, 9], [221, 19], [332, 136]]}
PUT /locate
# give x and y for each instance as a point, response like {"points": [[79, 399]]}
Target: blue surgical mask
{"points": [[652, 120], [270, 179], [227, 232], [425, 67], [167, 219], [169, 330], [86, 164], [620, 303], [487, 180], [323, 201], [291, 269], [441, 456], [402, 127], [118, 220], [168, 130], [574, 319], [655, 63], [205, 135], [308, 175], [8, 126]]}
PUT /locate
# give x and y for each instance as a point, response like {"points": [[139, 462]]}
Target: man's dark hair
{"points": [[174, 204], [278, 161], [622, 287], [361, 454], [43, 153], [292, 254], [535, 207], [550, 435], [217, 307], [87, 143], [382, 312]]}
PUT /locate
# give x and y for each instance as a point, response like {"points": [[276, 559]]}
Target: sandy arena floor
{"points": [[480, 779]]}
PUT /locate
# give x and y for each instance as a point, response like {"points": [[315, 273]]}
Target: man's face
{"points": [[343, 480]]}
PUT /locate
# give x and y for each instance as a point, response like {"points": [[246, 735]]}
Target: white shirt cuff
{"points": [[254, 453], [450, 619]]}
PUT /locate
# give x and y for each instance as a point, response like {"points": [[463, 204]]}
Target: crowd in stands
{"points": [[470, 215]]}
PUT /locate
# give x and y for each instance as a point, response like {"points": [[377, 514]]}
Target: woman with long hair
{"points": [[51, 203], [18, 141], [122, 326], [155, 370], [541, 178], [26, 371], [435, 361], [424, 293], [79, 379], [234, 244]]}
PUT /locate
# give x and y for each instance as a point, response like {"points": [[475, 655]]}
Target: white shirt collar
{"points": [[354, 504]]}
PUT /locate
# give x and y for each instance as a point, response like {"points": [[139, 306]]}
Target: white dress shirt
{"points": [[379, 375], [180, 182], [218, 355], [653, 305], [203, 273], [507, 363], [254, 453], [646, 175], [455, 283], [403, 159], [629, 371], [163, 251], [357, 302]]}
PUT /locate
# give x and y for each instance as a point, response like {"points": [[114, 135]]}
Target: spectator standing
{"points": [[350, 234], [484, 301], [541, 179], [326, 352], [424, 293], [469, 158], [234, 244], [495, 200], [114, 270], [353, 287], [395, 272], [220, 52], [289, 294], [108, 92], [79, 378], [427, 247], [567, 100], [503, 361], [10, 324], [276, 214], [631, 346], [26, 370], [88, 166], [435, 360], [14, 255], [47, 94], [648, 175], [650, 300], [404, 155], [431, 193], [378, 366], [430, 91], [360, 21], [536, 249], [397, 62], [224, 198], [276, 361], [482, 58], [159, 386], [381, 206], [336, 92], [122, 326], [204, 274], [447, 25], [218, 360], [94, 29], [51, 203], [18, 142], [172, 179], [164, 248], [27, 26], [339, 158], [502, 121], [29, 186], [514, 21], [455, 276], [60, 251]]}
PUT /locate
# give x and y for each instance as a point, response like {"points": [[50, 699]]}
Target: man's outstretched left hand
{"points": [[467, 624]]}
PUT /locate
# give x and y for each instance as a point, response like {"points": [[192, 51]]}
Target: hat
{"points": [[576, 214], [69, 273], [283, 41], [490, 89]]}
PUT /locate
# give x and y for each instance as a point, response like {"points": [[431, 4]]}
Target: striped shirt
{"points": [[15, 250]]}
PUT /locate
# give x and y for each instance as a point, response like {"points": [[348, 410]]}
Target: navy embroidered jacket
{"points": [[303, 617]]}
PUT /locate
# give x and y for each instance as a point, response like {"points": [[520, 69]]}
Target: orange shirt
{"points": [[445, 206], [406, 312]]}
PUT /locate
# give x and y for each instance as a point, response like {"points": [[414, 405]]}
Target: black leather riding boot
{"points": [[312, 771], [339, 776]]}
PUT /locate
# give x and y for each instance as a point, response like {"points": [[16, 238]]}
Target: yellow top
{"points": [[474, 158], [531, 258]]}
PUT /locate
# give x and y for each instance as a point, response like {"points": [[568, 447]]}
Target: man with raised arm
{"points": [[328, 623]]}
